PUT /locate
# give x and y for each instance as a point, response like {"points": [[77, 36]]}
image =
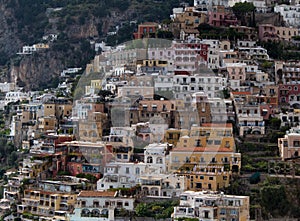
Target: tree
{"points": [[141, 209], [242, 10], [275, 123]]}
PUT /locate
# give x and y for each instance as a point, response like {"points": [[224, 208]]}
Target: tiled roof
{"points": [[97, 194], [241, 92], [202, 149], [216, 125]]}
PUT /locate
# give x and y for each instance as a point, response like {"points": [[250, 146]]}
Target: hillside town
{"points": [[202, 126]]}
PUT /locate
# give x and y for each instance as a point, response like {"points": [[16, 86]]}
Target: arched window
{"points": [[149, 159]]}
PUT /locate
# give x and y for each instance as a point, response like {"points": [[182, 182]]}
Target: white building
{"points": [[212, 206], [254, 53], [290, 14], [121, 175], [7, 87], [15, 96], [100, 206], [249, 118], [208, 83]]}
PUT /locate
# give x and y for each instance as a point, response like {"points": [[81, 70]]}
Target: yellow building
{"points": [[188, 20], [172, 135], [209, 135], [205, 156], [47, 203], [205, 168], [91, 129]]}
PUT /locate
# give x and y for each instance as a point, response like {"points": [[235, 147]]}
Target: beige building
{"points": [[131, 91], [289, 145], [188, 20]]}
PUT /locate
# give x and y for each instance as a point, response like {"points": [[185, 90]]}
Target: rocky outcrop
{"points": [[37, 70]]}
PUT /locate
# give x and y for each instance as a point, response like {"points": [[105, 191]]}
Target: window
{"points": [[227, 144], [296, 143], [233, 212], [198, 185], [127, 170], [209, 142], [206, 214], [223, 211], [217, 142], [149, 159], [198, 143], [137, 170]]}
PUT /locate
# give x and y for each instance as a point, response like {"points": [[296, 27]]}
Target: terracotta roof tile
{"points": [[97, 194], [216, 125], [202, 149], [241, 92]]}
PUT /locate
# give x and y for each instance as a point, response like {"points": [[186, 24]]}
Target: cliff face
{"points": [[9, 42], [36, 71], [25, 22]]}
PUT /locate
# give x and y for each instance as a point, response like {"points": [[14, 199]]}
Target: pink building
{"points": [[236, 71], [221, 17]]}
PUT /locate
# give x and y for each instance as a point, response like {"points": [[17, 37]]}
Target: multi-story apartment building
{"points": [[148, 66], [289, 94], [206, 157], [268, 32], [189, 56], [290, 14], [291, 118], [121, 175], [248, 113], [146, 30], [91, 128], [58, 108], [50, 204], [249, 32], [206, 82], [213, 206], [253, 53], [289, 145], [236, 71], [136, 91], [162, 185], [187, 20], [220, 16], [287, 72], [15, 96], [86, 157]]}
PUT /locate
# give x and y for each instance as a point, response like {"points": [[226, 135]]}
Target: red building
{"points": [[146, 30], [289, 94]]}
